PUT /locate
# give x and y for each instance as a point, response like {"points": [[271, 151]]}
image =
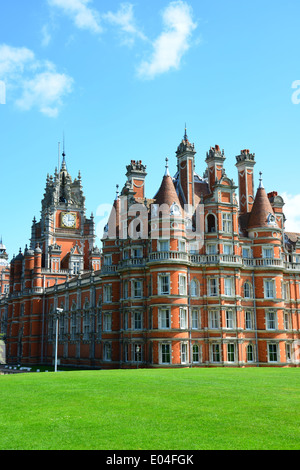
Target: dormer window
{"points": [[175, 209], [76, 267], [271, 219]]}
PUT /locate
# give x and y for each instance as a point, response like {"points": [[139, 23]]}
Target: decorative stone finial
{"points": [[117, 191], [185, 134], [167, 173]]}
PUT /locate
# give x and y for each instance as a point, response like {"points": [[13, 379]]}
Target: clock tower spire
{"points": [[63, 233]]}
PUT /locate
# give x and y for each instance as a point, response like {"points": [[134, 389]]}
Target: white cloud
{"points": [[124, 18], [46, 36], [13, 60], [33, 83], [45, 91], [170, 46], [79, 11], [85, 17], [292, 212]]}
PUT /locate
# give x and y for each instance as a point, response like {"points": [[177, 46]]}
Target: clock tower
{"points": [[63, 228]]}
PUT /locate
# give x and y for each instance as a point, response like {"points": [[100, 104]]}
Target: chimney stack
{"points": [[245, 164]]}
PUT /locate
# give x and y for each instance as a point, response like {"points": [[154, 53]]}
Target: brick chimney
{"points": [[136, 174], [215, 165], [245, 164], [186, 165]]}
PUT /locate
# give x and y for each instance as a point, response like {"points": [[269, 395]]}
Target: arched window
{"points": [[196, 353], [211, 223], [250, 353], [195, 290]]}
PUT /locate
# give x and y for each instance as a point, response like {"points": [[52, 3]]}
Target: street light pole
{"points": [[58, 312], [137, 355]]}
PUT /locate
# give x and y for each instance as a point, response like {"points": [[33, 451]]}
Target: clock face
{"points": [[68, 220]]}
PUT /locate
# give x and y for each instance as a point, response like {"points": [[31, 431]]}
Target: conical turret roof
{"points": [[262, 214], [167, 193]]}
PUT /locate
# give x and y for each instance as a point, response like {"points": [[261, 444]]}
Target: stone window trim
{"points": [[164, 284], [164, 318], [269, 287], [271, 319], [184, 352], [165, 352], [273, 351]]}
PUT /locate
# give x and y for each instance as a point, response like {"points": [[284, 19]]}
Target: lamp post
{"points": [[138, 348], [58, 312]]}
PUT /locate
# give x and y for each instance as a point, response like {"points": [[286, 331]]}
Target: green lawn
{"points": [[184, 409]]}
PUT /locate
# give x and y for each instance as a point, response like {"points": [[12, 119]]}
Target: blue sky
{"points": [[121, 79]]}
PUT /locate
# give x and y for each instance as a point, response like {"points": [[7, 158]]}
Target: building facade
{"points": [[193, 277], [4, 270]]}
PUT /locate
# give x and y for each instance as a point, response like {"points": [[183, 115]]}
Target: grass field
{"points": [[185, 409]]}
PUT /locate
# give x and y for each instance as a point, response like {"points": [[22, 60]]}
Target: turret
{"points": [[3, 254], [37, 276], [12, 275], [262, 215], [18, 272], [166, 206], [29, 267]]}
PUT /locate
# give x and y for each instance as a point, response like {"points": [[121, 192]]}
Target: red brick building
{"points": [[190, 277], [4, 270]]}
